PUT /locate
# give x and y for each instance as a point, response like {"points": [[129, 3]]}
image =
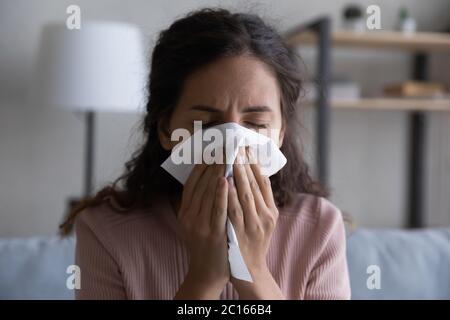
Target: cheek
{"points": [[278, 133], [279, 140], [181, 119], [274, 134]]}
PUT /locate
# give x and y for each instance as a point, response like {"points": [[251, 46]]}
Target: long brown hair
{"points": [[189, 43]]}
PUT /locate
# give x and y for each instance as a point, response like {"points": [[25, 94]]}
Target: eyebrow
{"points": [[257, 109], [246, 110]]}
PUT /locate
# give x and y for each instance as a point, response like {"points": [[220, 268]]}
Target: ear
{"points": [[164, 135]]}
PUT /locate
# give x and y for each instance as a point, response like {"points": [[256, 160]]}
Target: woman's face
{"points": [[239, 89]]}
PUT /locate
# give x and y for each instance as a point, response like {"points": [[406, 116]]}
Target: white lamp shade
{"points": [[100, 67]]}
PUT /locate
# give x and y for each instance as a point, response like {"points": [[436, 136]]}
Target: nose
{"points": [[231, 116]]}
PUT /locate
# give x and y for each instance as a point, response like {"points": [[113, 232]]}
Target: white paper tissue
{"points": [[233, 136]]}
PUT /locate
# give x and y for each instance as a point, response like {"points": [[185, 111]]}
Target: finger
{"points": [[244, 191], [191, 183], [260, 203], [234, 209], [218, 218], [263, 181], [200, 188], [207, 202]]}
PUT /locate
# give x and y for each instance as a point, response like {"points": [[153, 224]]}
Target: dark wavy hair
{"points": [[198, 39]]}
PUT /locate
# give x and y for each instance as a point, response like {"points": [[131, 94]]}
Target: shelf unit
{"points": [[419, 44], [426, 41], [389, 40], [400, 104]]}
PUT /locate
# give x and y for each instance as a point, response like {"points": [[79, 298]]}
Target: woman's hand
{"points": [[202, 215], [253, 213]]}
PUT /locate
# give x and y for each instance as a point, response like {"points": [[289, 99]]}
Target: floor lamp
{"points": [[98, 68]]}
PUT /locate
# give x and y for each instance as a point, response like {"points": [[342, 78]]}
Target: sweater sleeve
{"points": [[100, 274], [329, 277]]}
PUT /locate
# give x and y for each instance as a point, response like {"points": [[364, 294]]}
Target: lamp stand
{"points": [[89, 160], [89, 153]]}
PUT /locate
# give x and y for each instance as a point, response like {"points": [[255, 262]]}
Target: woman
{"points": [[152, 238]]}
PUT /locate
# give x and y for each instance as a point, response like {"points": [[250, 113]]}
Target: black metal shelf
{"points": [[319, 32]]}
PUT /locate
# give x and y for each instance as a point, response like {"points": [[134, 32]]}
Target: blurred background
{"points": [[42, 149]]}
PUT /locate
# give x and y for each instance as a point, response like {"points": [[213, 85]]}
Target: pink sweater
{"points": [[140, 254]]}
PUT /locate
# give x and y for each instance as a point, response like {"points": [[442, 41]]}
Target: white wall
{"points": [[41, 149]]}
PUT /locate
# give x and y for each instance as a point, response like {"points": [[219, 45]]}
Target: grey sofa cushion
{"points": [[413, 265], [35, 268]]}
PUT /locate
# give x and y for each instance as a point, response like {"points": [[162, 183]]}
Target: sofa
{"points": [[383, 264]]}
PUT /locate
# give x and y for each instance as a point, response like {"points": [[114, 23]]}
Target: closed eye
{"points": [[256, 125]]}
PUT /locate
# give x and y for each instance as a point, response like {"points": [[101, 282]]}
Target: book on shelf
{"points": [[415, 89]]}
